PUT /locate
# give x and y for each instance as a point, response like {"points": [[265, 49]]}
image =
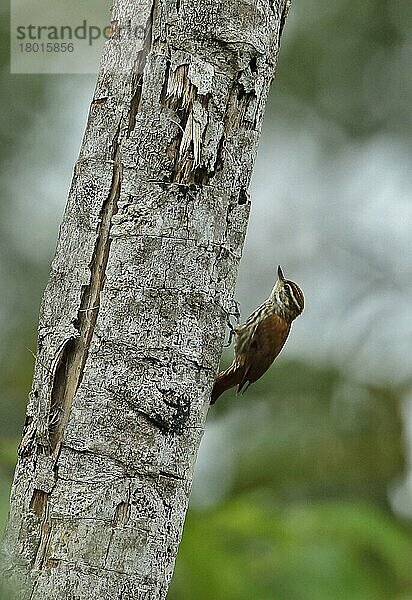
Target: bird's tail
{"points": [[224, 381]]}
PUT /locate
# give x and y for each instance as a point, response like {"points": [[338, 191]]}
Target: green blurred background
{"points": [[303, 487]]}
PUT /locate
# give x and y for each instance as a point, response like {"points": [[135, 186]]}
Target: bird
{"points": [[260, 339]]}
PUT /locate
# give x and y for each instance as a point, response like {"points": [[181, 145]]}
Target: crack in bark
{"points": [[121, 514], [83, 567], [238, 103], [52, 563], [243, 197], [38, 502], [170, 475], [44, 538], [139, 66], [69, 374]]}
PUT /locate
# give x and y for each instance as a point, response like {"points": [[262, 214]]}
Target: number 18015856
{"points": [[46, 47]]}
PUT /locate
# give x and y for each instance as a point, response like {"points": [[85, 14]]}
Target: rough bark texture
{"points": [[132, 319]]}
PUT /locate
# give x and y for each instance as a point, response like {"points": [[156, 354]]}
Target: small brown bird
{"points": [[262, 337]]}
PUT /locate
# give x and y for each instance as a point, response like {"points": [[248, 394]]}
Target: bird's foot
{"points": [[235, 312]]}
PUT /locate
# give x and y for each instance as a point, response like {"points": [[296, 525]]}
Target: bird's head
{"points": [[288, 297]]}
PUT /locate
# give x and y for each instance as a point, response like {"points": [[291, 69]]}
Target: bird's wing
{"points": [[265, 344]]}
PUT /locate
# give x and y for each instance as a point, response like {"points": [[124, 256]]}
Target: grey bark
{"points": [[132, 319]]}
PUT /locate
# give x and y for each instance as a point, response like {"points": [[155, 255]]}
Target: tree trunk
{"points": [[132, 319]]}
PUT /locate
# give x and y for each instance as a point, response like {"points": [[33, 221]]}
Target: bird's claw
{"points": [[236, 312], [232, 332], [232, 328]]}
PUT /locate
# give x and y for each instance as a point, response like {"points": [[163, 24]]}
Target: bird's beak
{"points": [[280, 274]]}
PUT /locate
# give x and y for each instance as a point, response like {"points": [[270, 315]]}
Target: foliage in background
{"points": [[306, 513], [250, 547]]}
